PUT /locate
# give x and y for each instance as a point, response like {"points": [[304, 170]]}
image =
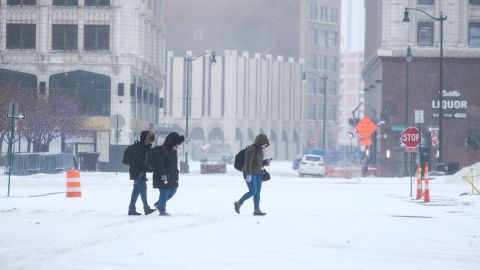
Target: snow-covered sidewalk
{"points": [[312, 223]]}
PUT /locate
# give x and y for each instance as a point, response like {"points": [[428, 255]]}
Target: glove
{"points": [[248, 178], [266, 162], [164, 179]]}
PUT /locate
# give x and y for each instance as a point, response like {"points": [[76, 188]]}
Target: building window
{"points": [[21, 2], [323, 62], [474, 35], [312, 36], [332, 63], [132, 90], [121, 89], [331, 112], [97, 3], [425, 2], [64, 37], [425, 33], [312, 61], [332, 38], [324, 14], [474, 2], [332, 87], [311, 111], [333, 15], [313, 11], [65, 3], [21, 36], [97, 37], [323, 85]]}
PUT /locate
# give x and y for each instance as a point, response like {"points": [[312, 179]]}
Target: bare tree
{"points": [[48, 119]]}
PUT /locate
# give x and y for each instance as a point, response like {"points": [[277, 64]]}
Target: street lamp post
{"points": [[188, 60], [324, 78], [408, 58], [441, 19]]}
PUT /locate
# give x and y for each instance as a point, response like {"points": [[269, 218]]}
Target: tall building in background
{"points": [[307, 29], [108, 54], [351, 87], [401, 87]]}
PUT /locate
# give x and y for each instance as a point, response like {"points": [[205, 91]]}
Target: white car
{"points": [[311, 164]]}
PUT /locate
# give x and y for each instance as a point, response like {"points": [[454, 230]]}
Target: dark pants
{"points": [[139, 188], [165, 195], [254, 189]]}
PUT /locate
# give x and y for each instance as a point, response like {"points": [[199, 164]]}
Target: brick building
{"points": [[393, 97]]}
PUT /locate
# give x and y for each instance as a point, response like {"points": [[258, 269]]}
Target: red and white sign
{"points": [[410, 138], [434, 138]]}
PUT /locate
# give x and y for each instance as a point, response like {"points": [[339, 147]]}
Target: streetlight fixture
{"points": [[188, 60], [408, 58], [441, 19], [324, 78]]}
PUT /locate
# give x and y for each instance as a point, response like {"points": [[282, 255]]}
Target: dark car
{"points": [[296, 162], [213, 164]]}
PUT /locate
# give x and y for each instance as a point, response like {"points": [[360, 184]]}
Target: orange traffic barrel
{"points": [[419, 182], [426, 196], [73, 184]]}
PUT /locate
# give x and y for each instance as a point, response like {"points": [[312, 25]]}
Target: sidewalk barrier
{"points": [[471, 177], [426, 196], [419, 182], [73, 184]]}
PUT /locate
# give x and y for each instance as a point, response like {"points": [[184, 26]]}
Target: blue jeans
{"points": [[139, 188], [165, 195], [254, 189]]}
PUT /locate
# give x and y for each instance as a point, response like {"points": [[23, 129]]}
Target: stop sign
{"points": [[410, 137]]}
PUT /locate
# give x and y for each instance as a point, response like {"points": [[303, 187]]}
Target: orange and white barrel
{"points": [[73, 184]]}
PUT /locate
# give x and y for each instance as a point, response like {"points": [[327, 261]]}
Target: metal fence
{"points": [[26, 164]]}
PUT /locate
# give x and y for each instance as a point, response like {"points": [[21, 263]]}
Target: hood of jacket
{"points": [[147, 137], [172, 139], [261, 139]]}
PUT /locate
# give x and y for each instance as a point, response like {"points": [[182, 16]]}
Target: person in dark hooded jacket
{"points": [[252, 173], [165, 169], [138, 172]]}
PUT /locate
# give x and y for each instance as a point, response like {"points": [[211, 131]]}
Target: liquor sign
{"points": [[453, 106]]}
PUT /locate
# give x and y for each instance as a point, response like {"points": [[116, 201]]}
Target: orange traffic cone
{"points": [[419, 182], [73, 184], [426, 196]]}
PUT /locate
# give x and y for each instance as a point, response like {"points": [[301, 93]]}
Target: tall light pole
{"points": [[324, 78], [408, 58], [188, 60], [441, 19]]}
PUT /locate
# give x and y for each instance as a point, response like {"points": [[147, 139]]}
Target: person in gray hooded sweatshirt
{"points": [[252, 173]]}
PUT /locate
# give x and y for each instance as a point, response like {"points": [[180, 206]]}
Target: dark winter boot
{"points": [[133, 213], [237, 206], [165, 214], [258, 212], [149, 211]]}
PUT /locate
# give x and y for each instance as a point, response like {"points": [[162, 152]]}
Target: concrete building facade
{"points": [[236, 98], [398, 94], [110, 53]]}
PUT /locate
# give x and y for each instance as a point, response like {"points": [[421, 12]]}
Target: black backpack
{"points": [[127, 155], [240, 159]]}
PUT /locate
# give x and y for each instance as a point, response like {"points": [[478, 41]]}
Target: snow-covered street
{"points": [[312, 223]]}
